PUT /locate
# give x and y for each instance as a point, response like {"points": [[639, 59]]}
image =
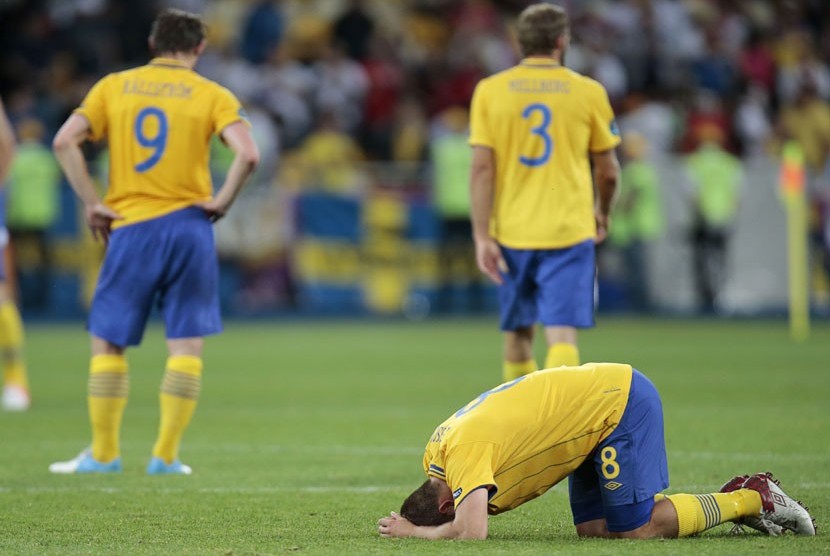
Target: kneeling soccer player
{"points": [[600, 425]]}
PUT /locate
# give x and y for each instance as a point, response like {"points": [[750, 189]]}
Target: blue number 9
{"points": [[542, 131], [158, 142]]}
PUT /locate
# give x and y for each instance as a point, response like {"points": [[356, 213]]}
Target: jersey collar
{"points": [[540, 62], [168, 63]]}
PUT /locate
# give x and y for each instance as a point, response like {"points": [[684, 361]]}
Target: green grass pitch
{"points": [[309, 431]]}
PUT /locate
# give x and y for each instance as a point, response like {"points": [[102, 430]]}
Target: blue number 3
{"points": [[542, 131], [158, 142]]}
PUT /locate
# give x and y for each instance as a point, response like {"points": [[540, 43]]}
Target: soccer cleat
{"points": [[757, 523], [85, 463], [779, 512], [15, 398], [158, 467]]}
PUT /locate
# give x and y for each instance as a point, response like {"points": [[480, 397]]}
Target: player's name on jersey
{"points": [[539, 86], [156, 89]]}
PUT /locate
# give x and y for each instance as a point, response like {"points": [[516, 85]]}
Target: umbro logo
{"points": [[778, 499], [613, 485]]}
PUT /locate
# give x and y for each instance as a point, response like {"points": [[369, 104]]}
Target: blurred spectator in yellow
{"points": [[798, 60], [330, 158], [637, 219], [451, 157], [33, 205], [807, 121], [409, 131], [715, 178]]}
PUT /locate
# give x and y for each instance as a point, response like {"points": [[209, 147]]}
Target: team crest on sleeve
{"points": [[456, 493], [615, 129]]}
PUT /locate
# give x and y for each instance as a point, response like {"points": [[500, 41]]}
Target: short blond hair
{"points": [[539, 28]]}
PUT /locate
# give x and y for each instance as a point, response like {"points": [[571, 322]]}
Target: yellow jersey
{"points": [[521, 438], [158, 120], [542, 120]]}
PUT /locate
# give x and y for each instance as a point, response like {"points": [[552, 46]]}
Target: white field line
{"points": [[206, 490]]}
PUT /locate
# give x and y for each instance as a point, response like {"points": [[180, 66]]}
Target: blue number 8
{"points": [[157, 142], [542, 131], [478, 401]]}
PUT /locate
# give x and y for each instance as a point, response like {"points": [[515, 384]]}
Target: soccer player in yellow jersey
{"points": [[600, 425], [536, 130], [15, 380], [156, 220]]}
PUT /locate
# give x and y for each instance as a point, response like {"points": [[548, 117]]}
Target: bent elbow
{"points": [[250, 157], [60, 143]]}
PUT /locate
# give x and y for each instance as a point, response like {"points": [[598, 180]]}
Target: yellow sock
{"points": [[109, 385], [11, 344], [562, 354], [512, 370], [699, 512], [179, 394]]}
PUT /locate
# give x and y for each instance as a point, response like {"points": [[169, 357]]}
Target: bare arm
{"points": [[7, 145], [470, 522], [238, 137], [67, 149], [606, 178], [482, 189]]}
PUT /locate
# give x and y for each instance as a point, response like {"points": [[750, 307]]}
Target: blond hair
{"points": [[539, 28]]}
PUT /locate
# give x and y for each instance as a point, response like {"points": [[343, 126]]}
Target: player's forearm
{"points": [[481, 203], [607, 183], [238, 174], [451, 530], [71, 160]]}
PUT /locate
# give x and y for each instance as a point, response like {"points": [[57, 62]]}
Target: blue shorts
{"points": [[551, 286], [169, 261], [619, 481]]}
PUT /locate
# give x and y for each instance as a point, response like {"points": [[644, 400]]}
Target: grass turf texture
{"points": [[308, 432]]}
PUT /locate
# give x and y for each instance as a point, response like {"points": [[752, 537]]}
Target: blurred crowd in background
{"points": [[360, 111]]}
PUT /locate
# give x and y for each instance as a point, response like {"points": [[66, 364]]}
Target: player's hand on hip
{"points": [[490, 260], [214, 209], [99, 218]]}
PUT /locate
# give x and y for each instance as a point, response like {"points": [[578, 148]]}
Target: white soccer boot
{"points": [[779, 512]]}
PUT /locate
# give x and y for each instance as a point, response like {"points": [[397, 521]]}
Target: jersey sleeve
{"points": [[469, 467], [227, 110], [605, 134], [94, 109], [480, 133]]}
